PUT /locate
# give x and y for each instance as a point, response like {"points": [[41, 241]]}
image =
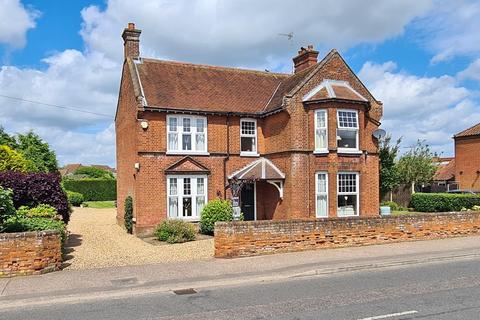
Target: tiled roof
{"points": [[332, 89], [261, 169], [472, 131], [445, 169], [194, 87]]}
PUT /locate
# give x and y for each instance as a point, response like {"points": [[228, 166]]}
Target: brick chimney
{"points": [[305, 58], [131, 41]]}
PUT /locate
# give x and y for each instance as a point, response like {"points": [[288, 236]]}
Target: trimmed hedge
{"points": [[128, 214], [443, 202], [215, 210], [32, 189], [75, 198], [93, 189]]}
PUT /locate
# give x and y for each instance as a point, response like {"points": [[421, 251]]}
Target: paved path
{"points": [[96, 241], [442, 290]]}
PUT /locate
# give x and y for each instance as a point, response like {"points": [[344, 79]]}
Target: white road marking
{"points": [[391, 315]]}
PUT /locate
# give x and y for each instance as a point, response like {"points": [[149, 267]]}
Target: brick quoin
{"points": [[285, 137]]}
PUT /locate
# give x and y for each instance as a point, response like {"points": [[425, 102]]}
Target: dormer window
{"points": [[186, 134], [248, 137], [347, 130]]}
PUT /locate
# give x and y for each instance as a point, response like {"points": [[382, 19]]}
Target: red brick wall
{"points": [[467, 162], [249, 238], [27, 253]]}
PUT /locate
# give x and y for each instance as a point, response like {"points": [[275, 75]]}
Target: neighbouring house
{"points": [[70, 169], [467, 158], [301, 142], [444, 178]]}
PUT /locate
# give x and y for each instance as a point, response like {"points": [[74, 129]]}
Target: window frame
{"points": [[193, 134], [193, 194], [357, 193], [320, 150], [249, 153], [317, 193], [357, 132]]}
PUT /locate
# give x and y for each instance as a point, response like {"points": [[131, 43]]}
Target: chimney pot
{"points": [[131, 26], [306, 57]]}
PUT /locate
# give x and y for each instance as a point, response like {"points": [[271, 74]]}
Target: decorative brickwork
{"points": [[27, 253], [250, 238]]}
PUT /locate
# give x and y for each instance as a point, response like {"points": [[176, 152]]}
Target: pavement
{"points": [[130, 280]]}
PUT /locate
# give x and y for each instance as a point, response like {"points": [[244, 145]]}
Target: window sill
{"points": [[195, 153], [349, 151], [195, 219], [346, 215], [320, 152], [249, 154]]}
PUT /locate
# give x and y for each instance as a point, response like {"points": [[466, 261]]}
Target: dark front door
{"points": [[247, 198]]}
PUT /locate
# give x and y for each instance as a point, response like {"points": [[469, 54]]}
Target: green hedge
{"points": [[93, 189], [443, 202]]}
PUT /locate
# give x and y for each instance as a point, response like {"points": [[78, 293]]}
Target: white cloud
{"points": [[426, 108], [15, 21], [451, 29], [472, 72]]}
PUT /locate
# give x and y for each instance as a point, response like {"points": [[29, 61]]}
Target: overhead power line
{"points": [[57, 106]]}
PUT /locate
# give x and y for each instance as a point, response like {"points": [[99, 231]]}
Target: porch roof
{"points": [[260, 169]]}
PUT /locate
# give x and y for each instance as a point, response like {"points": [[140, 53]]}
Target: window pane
{"points": [[186, 142], [186, 186], [200, 125], [347, 119], [172, 122], [347, 139], [248, 128], [321, 119], [173, 207], [200, 186], [187, 206], [173, 141], [347, 205], [200, 204], [321, 139], [321, 183], [322, 206], [200, 141], [173, 187], [248, 144], [186, 124], [347, 183]]}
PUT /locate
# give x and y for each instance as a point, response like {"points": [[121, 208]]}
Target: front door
{"points": [[247, 198]]}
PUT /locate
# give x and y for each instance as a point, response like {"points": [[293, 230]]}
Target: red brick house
{"points": [[303, 141], [467, 158]]}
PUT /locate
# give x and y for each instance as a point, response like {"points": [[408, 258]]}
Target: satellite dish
{"points": [[379, 134]]}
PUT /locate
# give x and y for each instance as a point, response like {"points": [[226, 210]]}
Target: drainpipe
{"points": [[225, 159]]}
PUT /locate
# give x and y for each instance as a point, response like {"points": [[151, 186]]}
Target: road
{"points": [[441, 290]]}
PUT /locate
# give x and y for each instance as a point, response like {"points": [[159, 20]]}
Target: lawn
{"points": [[404, 213], [100, 204]]}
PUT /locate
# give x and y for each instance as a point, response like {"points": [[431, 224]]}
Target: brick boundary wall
{"points": [[27, 253], [250, 238]]}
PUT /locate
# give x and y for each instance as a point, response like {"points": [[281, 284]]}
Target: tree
{"points": [[6, 139], [38, 152], [417, 165], [11, 160], [96, 173], [389, 175]]}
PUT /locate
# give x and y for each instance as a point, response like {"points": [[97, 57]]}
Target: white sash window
{"points": [[186, 134], [321, 193], [248, 137], [186, 196], [321, 133], [348, 194], [347, 130]]}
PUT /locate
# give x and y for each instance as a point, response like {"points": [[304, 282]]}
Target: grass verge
{"points": [[99, 204]]}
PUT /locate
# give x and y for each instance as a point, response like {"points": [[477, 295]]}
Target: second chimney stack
{"points": [[306, 57], [131, 41]]}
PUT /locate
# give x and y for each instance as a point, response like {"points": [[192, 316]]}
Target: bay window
{"points": [[186, 196], [347, 193], [321, 195], [248, 137], [347, 130], [321, 133], [186, 134]]}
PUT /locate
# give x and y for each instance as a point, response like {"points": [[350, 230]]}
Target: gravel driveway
{"points": [[96, 241]]}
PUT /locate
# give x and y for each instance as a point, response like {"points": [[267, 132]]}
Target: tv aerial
{"points": [[289, 35]]}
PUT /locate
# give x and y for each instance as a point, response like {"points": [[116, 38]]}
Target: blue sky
{"points": [[421, 58]]}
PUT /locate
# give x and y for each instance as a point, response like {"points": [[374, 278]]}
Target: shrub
{"points": [[32, 189], [40, 211], [75, 198], [476, 208], [12, 160], [128, 215], [19, 223], [7, 209], [215, 210], [443, 202], [93, 189], [175, 231], [392, 204]]}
